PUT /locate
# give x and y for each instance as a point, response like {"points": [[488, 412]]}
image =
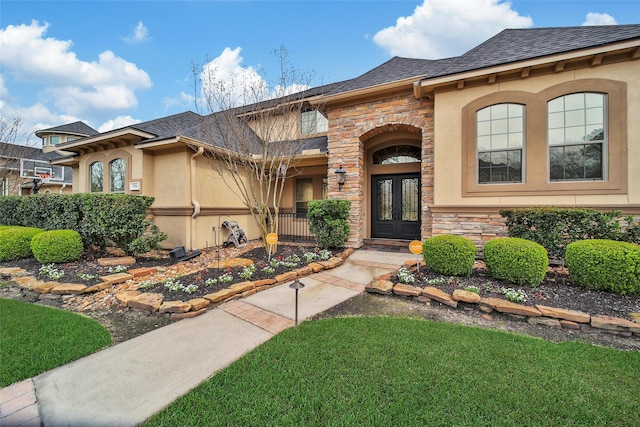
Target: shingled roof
{"points": [[509, 46], [75, 128]]}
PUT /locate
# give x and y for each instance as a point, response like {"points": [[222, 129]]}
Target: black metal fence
{"points": [[294, 227]]}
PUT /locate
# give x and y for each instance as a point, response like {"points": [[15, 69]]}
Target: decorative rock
{"points": [[440, 296], [231, 263], [220, 295], [45, 288], [634, 316], [68, 288], [110, 262], [614, 324], [97, 288], [126, 296], [174, 307], [559, 313], [27, 282], [347, 252], [249, 293], [148, 302], [466, 296], [285, 277], [504, 306], [188, 315], [116, 278], [315, 267], [11, 271], [199, 303], [566, 324], [264, 282], [144, 271], [407, 290], [545, 321], [383, 287], [332, 262], [304, 271], [242, 286]]}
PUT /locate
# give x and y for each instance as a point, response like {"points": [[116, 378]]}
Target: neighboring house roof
{"points": [[75, 128], [508, 46], [13, 153]]}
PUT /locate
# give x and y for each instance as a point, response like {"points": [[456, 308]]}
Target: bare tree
{"points": [[252, 129], [13, 147]]}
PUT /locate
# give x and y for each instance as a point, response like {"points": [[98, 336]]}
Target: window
{"points": [[397, 154], [304, 194], [500, 143], [54, 140], [576, 136], [312, 121], [4, 187], [117, 176], [96, 175]]}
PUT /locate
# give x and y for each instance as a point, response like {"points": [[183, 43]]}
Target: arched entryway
{"points": [[393, 161]]}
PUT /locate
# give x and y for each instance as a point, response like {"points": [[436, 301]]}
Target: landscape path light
{"points": [[297, 284]]}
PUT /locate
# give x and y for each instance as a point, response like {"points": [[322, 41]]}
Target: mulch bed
{"points": [[555, 291]]}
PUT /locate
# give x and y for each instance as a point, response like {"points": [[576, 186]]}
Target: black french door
{"points": [[395, 206]]}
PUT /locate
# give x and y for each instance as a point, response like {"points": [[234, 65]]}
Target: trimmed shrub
{"points": [[516, 260], [57, 246], [328, 220], [15, 242], [605, 264], [449, 254]]}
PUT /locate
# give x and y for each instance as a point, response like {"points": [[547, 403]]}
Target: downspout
{"points": [[194, 201]]}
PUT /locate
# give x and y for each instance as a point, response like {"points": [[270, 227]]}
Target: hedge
{"points": [[328, 221], [100, 219], [15, 242], [450, 254], [57, 246], [605, 265], [555, 228], [516, 260]]}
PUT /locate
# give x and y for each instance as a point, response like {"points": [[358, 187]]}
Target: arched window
{"points": [[96, 177], [117, 176], [397, 154]]}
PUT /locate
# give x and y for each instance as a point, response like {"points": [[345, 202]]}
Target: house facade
{"points": [[532, 117]]}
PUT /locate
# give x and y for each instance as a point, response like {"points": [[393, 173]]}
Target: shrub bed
{"points": [[605, 264], [449, 254], [516, 260], [328, 221], [57, 246], [15, 242]]}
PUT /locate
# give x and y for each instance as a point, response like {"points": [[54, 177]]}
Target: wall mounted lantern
{"points": [[341, 176]]}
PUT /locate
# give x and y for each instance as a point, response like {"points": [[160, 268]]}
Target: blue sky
{"points": [[113, 63]]}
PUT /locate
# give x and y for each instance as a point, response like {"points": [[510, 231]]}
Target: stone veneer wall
{"points": [[350, 127], [477, 227]]}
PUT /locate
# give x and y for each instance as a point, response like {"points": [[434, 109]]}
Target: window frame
{"points": [[536, 165], [312, 124], [107, 161], [507, 149], [308, 180]]}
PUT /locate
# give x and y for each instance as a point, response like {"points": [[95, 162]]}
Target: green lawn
{"points": [[35, 339], [409, 372]]}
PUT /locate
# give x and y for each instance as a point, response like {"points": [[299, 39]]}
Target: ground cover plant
{"points": [[35, 339], [400, 371]]}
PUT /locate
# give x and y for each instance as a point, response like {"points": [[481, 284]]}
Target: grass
{"points": [[397, 371], [35, 339]]}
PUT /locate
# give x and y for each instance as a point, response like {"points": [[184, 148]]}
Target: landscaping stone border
{"points": [[540, 315], [130, 296]]}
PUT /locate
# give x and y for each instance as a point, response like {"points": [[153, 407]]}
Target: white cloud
{"points": [[446, 28], [139, 34], [117, 123], [93, 89], [594, 18]]}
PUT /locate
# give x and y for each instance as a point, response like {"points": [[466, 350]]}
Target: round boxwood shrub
{"points": [[605, 264], [15, 242], [516, 260], [57, 246], [449, 254]]}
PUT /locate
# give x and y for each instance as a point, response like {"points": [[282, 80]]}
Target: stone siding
{"points": [[478, 227], [351, 126]]}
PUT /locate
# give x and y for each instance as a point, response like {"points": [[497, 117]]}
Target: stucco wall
{"points": [[449, 188]]}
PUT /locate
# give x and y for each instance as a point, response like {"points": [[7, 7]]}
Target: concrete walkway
{"points": [[126, 384]]}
